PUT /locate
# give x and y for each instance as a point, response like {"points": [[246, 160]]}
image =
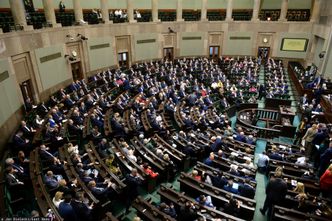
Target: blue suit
{"points": [[67, 213]]}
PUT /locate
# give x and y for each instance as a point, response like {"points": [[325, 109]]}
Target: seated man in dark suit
{"points": [[96, 122], [205, 201], [21, 143], [209, 161], [50, 180], [219, 181], [28, 131], [247, 190], [74, 130], [69, 103], [102, 191], [240, 137], [230, 188], [102, 148], [21, 172]]}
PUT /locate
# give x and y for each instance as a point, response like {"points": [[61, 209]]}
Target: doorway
{"points": [[26, 90], [123, 60], [76, 70], [214, 52], [263, 53], [168, 54]]}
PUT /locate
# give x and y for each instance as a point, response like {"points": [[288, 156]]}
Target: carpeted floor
{"points": [[261, 183]]}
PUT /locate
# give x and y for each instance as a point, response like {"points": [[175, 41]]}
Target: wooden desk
{"points": [[286, 112]]}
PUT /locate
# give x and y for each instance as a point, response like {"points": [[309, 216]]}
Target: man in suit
{"points": [[276, 191], [101, 191], [240, 137], [187, 212], [325, 160], [308, 137], [229, 187], [73, 129], [20, 171], [132, 182], [261, 91], [42, 109], [62, 7], [50, 180], [304, 100], [21, 143], [11, 178], [246, 190], [15, 186], [103, 147], [82, 211], [219, 181], [46, 154], [209, 161], [205, 201], [68, 102], [66, 210], [27, 131]]}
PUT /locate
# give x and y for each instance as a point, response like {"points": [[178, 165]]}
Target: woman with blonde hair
{"points": [[57, 199], [302, 206], [299, 188]]}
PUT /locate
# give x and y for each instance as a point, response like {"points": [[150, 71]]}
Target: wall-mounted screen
{"points": [[294, 44]]}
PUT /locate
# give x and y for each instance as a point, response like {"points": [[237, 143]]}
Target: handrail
{"points": [[261, 132]]}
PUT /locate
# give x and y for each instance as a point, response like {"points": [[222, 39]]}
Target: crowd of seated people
{"points": [[306, 76], [128, 108], [275, 80]]}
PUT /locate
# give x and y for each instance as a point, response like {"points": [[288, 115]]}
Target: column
{"points": [[179, 11], [327, 58], [229, 10], [315, 11], [49, 13], [204, 10], [284, 8], [18, 13], [257, 5], [130, 11], [104, 11], [154, 4], [78, 12]]}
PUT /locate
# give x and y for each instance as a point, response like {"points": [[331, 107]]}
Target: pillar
{"points": [[229, 11], [130, 11], [179, 11], [49, 13], [78, 11], [255, 14], [284, 8], [18, 12], [104, 11], [316, 11], [204, 10], [154, 4], [327, 59]]}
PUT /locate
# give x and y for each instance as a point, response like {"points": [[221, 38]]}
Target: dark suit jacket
{"points": [[11, 181], [276, 190], [67, 212], [132, 185], [247, 191], [82, 211]]}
